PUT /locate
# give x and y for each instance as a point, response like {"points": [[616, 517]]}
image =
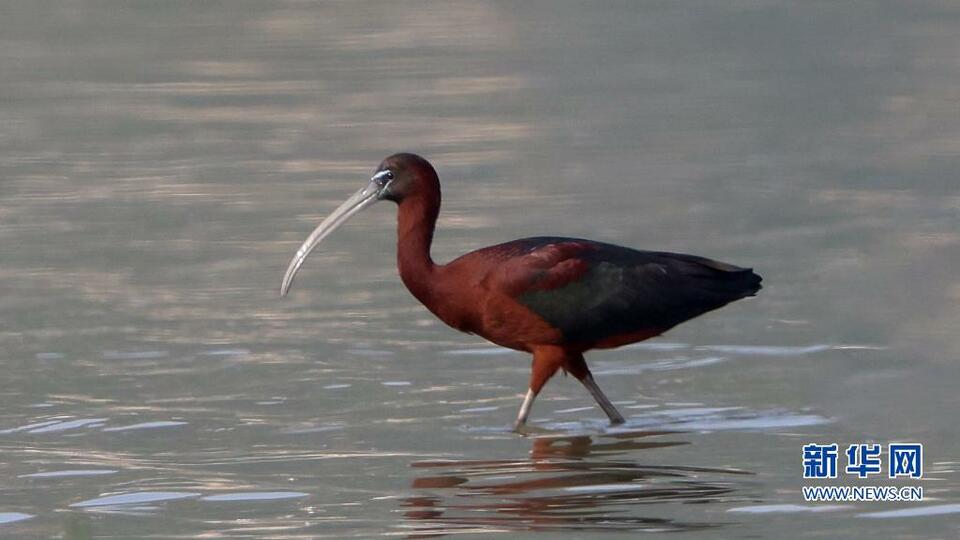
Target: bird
{"points": [[553, 297]]}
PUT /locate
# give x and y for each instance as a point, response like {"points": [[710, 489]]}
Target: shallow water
{"points": [[160, 162]]}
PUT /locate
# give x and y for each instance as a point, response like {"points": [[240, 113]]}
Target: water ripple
{"points": [[917, 511], [785, 509], [67, 425], [147, 425], [135, 498], [255, 496], [703, 419], [70, 473], [13, 517]]}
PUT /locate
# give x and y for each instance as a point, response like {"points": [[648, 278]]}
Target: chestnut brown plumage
{"points": [[553, 297]]}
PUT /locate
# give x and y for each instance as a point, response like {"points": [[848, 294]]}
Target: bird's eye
{"points": [[389, 175]]}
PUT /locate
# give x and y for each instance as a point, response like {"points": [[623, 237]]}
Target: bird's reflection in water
{"points": [[569, 483]]}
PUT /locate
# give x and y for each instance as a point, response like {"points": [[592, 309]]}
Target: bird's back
{"points": [[603, 295]]}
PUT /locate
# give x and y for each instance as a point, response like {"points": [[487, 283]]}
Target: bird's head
{"points": [[399, 178], [407, 176]]}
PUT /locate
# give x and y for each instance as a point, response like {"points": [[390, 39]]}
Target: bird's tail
{"points": [[724, 281]]}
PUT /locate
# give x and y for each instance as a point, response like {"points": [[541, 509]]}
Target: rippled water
{"points": [[160, 162]]}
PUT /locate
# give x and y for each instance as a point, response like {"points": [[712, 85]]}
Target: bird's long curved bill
{"points": [[357, 202]]}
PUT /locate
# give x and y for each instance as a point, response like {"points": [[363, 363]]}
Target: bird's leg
{"points": [[525, 409], [577, 367], [546, 362], [602, 401]]}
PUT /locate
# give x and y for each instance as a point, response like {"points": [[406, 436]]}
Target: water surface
{"points": [[160, 162]]}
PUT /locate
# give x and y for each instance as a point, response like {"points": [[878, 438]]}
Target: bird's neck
{"points": [[416, 220]]}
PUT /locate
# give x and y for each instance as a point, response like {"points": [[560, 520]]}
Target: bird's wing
{"points": [[591, 291]]}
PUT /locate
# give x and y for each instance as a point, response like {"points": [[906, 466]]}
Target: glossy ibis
{"points": [[550, 296]]}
